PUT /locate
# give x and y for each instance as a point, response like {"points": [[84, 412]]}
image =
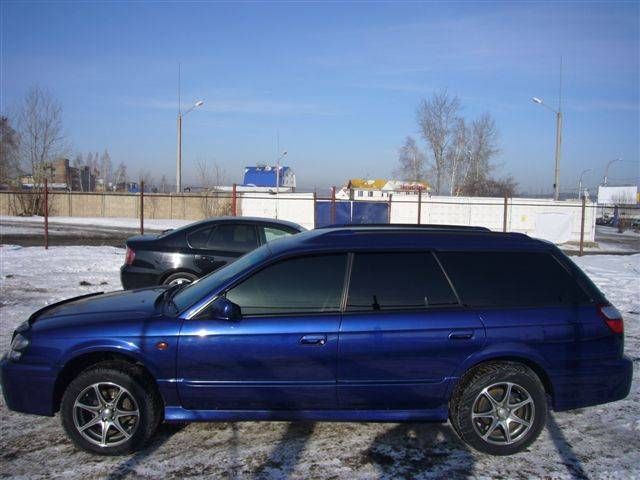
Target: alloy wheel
{"points": [[503, 413], [106, 414]]}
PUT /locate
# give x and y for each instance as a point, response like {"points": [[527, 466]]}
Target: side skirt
{"points": [[179, 414]]}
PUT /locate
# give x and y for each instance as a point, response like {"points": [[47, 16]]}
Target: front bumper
{"points": [[593, 385], [27, 388]]}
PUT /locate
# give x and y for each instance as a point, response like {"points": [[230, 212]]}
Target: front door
{"points": [[281, 354], [403, 333]]}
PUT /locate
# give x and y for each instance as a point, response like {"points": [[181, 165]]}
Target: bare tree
{"points": [[483, 145], [42, 140], [411, 161], [105, 166], [214, 202], [9, 152], [147, 177], [163, 184], [436, 118], [120, 175], [457, 156], [41, 132]]}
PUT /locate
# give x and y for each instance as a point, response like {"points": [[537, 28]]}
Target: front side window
{"points": [[511, 279], [392, 281], [298, 285]]}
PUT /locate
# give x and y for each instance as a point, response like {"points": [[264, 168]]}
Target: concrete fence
{"points": [[558, 221]]}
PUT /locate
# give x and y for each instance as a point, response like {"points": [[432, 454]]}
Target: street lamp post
{"points": [[179, 155], [558, 112], [606, 170], [556, 184], [580, 182]]}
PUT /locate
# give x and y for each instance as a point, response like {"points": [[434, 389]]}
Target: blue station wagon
{"points": [[486, 330]]}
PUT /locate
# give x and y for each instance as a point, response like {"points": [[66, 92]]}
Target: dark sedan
{"points": [[188, 253]]}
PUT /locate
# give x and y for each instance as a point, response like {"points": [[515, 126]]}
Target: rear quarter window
{"points": [[508, 279]]}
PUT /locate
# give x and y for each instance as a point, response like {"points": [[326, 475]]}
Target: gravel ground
{"points": [[598, 442]]}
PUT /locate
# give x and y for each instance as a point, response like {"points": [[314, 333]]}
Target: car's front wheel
{"points": [[110, 409], [499, 408]]}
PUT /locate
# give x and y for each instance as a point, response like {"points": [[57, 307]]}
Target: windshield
{"points": [[198, 290]]}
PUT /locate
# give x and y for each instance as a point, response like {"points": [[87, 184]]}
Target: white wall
{"points": [[534, 217], [294, 207]]}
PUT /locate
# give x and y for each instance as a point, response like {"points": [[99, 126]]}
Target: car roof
{"points": [[230, 219], [390, 237]]}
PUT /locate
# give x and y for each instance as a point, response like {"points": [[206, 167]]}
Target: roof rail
{"points": [[408, 226]]}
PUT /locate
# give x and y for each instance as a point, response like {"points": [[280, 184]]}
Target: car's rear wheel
{"points": [[179, 278], [110, 409], [499, 408]]}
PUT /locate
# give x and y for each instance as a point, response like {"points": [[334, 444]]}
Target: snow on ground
{"points": [[134, 223], [597, 442]]}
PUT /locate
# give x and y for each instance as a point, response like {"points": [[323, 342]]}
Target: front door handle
{"points": [[313, 340], [461, 335]]}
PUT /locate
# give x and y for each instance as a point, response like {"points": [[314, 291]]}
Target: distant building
{"points": [[380, 188], [61, 176], [266, 176]]}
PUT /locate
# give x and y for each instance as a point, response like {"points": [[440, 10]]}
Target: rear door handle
{"points": [[461, 335], [313, 340]]}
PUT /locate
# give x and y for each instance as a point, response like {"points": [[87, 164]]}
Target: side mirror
{"points": [[224, 309]]}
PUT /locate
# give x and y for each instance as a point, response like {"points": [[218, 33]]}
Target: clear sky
{"points": [[339, 81]]}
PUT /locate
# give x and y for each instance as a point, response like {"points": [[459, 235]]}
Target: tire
{"points": [[126, 432], [180, 277], [486, 431]]}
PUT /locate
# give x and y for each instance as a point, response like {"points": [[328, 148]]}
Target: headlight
{"points": [[19, 342], [18, 346]]}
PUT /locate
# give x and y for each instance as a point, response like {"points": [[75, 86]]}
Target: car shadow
{"points": [[165, 432], [565, 450], [284, 457], [424, 450]]}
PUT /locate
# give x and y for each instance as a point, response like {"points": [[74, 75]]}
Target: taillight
{"points": [[612, 317], [129, 256]]}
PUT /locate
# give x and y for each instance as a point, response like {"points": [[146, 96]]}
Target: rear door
{"points": [[403, 333], [215, 247]]}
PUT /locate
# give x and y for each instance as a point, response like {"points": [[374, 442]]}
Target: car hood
{"points": [[135, 303]]}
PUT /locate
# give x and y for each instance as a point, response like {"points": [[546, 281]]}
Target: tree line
{"points": [[35, 137], [459, 153]]}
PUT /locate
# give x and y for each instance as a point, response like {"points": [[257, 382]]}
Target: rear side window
{"points": [[391, 281], [299, 285], [272, 233], [241, 238], [199, 238], [487, 279]]}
